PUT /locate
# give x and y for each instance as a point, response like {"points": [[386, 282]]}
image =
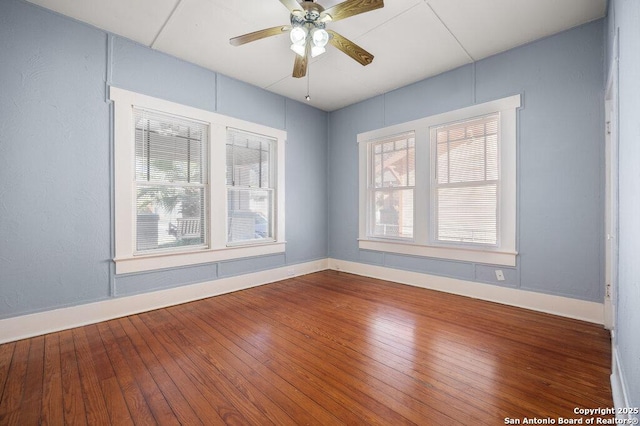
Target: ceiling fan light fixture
{"points": [[320, 37], [317, 50], [298, 35], [300, 49]]}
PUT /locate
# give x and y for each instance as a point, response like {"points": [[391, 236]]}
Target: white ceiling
{"points": [[410, 39]]}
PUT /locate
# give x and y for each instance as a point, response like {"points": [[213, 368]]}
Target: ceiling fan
{"points": [[308, 34]]}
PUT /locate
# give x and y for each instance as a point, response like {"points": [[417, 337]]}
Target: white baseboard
{"points": [[557, 305], [618, 385], [22, 327]]}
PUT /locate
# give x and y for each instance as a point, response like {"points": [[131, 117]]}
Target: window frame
{"points": [[184, 184], [126, 258], [271, 188], [372, 189], [424, 244], [435, 185]]}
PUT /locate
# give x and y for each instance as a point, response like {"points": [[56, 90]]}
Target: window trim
{"points": [[505, 252], [124, 187]]}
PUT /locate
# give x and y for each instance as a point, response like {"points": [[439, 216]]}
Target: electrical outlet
{"points": [[499, 275]]}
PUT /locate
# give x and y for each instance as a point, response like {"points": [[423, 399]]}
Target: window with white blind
{"points": [[171, 182], [466, 181], [458, 180], [193, 186], [250, 193]]}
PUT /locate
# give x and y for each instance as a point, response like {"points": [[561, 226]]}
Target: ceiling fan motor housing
{"points": [[310, 16]]}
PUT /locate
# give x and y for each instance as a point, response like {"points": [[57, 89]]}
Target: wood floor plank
{"points": [[324, 348], [301, 383], [89, 376], [51, 412], [208, 403], [154, 398], [226, 363], [357, 395], [14, 388], [114, 399], [207, 373], [113, 396], [138, 407], [31, 405], [179, 405], [72, 399], [305, 410], [6, 355]]}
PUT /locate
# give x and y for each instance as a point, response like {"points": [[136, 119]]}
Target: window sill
{"points": [[492, 257], [155, 261]]}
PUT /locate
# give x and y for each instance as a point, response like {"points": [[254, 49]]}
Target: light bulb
{"points": [[298, 35], [320, 37]]}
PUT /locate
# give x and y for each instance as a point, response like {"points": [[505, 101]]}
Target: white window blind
{"points": [[171, 181], [466, 183], [250, 187], [391, 187]]}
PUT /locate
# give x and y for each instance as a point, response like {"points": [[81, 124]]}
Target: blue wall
{"points": [[560, 161], [624, 18], [56, 221]]}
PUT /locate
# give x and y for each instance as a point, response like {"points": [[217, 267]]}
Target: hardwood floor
{"points": [[326, 348]]}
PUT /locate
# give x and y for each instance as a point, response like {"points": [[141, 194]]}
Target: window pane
{"points": [[442, 162], [467, 214], [492, 157], [392, 213], [170, 216], [467, 181], [248, 159], [169, 149], [250, 196], [394, 163], [171, 177], [466, 160], [250, 214]]}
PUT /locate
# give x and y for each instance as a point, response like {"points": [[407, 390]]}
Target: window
{"points": [[465, 184], [443, 186], [250, 193], [391, 187], [171, 182], [192, 186]]}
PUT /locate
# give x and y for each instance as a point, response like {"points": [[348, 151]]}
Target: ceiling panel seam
{"points": [[450, 32], [166, 22]]}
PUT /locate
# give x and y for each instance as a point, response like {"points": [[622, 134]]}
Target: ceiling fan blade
{"points": [[350, 48], [350, 8], [300, 64], [292, 5], [257, 35]]}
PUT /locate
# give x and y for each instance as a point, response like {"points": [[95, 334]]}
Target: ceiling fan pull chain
{"points": [[308, 97]]}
